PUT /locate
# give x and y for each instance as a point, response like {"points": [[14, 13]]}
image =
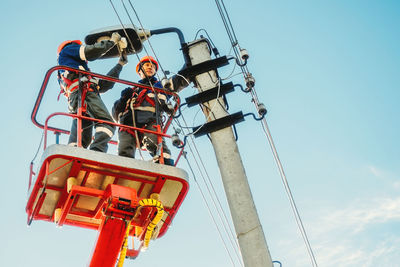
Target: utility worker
{"points": [[75, 54], [137, 107]]}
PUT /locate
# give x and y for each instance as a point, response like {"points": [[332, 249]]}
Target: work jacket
{"points": [[76, 56], [142, 101]]}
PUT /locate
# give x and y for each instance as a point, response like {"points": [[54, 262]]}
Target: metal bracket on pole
{"points": [[203, 67], [218, 124], [251, 239], [210, 94]]}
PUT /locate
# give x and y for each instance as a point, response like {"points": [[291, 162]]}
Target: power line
{"points": [[235, 45], [213, 195]]}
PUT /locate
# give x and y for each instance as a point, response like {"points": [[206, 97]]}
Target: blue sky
{"points": [[328, 73]]}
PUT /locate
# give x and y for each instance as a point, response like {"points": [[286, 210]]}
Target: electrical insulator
{"points": [[215, 51], [166, 83], [175, 140], [244, 54], [250, 82], [170, 109], [262, 110]]}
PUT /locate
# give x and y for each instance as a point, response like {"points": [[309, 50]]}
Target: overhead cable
{"points": [[234, 42], [213, 195]]}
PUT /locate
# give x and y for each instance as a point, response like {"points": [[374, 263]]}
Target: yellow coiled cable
{"points": [[150, 228], [122, 255], [160, 212]]}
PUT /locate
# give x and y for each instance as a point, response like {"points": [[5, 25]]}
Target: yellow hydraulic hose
{"points": [[124, 246], [160, 212]]}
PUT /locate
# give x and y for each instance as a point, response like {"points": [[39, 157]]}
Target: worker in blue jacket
{"points": [[137, 107], [76, 55]]}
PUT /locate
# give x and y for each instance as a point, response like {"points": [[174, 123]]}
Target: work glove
{"points": [[168, 108], [122, 43], [123, 59], [126, 93], [115, 37]]}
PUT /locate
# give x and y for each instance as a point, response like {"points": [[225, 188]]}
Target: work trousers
{"points": [[127, 142], [96, 109]]}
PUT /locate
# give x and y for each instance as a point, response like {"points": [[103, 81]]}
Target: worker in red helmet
{"points": [[76, 55], [146, 59], [137, 107]]}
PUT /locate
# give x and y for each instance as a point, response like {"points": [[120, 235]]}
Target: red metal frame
{"points": [[112, 216], [114, 222], [80, 117], [47, 128], [108, 78], [117, 204], [40, 184]]}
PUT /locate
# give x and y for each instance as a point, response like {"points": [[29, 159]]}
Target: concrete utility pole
{"points": [[248, 229]]}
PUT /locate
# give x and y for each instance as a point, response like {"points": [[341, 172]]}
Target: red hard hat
{"points": [[146, 59], [63, 44]]}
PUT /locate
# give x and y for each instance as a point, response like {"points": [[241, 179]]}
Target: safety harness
{"points": [[68, 86], [136, 100], [135, 103]]}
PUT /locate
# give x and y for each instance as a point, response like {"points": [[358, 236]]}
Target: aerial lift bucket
{"points": [[79, 187]]}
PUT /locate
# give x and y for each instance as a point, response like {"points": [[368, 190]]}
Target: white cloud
{"points": [[344, 237], [376, 172], [384, 253], [363, 232], [357, 217], [348, 253], [385, 175], [396, 185]]}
